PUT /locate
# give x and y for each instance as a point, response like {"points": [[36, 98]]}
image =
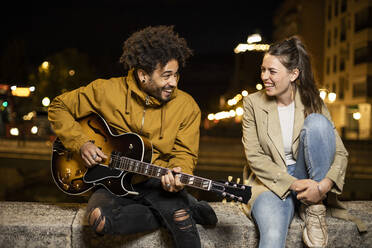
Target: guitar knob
{"points": [[224, 194], [238, 180], [242, 187], [229, 178], [240, 199]]}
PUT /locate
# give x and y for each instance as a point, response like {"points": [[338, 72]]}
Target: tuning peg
{"points": [[229, 178], [224, 200], [238, 180]]}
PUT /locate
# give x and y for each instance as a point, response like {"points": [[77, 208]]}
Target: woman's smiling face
{"points": [[275, 76]]}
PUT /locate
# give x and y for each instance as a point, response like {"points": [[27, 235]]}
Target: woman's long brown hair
{"points": [[292, 54]]}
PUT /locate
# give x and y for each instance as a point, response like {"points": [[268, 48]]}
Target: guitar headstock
{"points": [[232, 191]]}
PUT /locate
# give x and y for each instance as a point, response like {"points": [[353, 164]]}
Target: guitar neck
{"points": [[147, 169]]}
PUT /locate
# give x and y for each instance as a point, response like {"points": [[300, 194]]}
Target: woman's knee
{"points": [[317, 122]]}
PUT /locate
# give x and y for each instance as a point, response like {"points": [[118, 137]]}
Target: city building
{"points": [[305, 19], [348, 65], [338, 34]]}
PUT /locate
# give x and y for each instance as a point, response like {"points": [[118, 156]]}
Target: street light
{"points": [[45, 65], [357, 116], [14, 131], [20, 91], [254, 38], [259, 86], [323, 93], [332, 97], [241, 48], [45, 101], [252, 45], [239, 111]]}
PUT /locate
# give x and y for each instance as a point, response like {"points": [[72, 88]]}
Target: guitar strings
{"points": [[154, 169]]}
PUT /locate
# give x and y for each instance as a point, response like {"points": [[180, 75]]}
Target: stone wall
{"points": [[31, 224]]}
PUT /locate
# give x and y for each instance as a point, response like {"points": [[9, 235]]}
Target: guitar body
{"points": [[69, 171]]}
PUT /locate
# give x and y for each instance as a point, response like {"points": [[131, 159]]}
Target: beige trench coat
{"points": [[264, 151]]}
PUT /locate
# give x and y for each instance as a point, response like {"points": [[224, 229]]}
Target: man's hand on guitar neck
{"points": [[91, 154], [171, 181]]}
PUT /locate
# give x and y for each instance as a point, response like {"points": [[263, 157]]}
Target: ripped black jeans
{"points": [[151, 209]]}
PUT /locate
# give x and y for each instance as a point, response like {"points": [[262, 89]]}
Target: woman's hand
{"points": [[310, 191], [172, 183]]}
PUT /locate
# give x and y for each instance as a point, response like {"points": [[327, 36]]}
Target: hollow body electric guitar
{"points": [[128, 154]]}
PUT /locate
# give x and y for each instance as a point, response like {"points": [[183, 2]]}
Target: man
{"points": [[147, 102]]}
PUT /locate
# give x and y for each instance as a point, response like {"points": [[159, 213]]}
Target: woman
{"points": [[293, 150]]}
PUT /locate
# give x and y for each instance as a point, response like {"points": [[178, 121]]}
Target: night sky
{"points": [[98, 29]]}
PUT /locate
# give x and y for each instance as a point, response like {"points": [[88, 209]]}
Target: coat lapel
{"points": [[273, 125]]}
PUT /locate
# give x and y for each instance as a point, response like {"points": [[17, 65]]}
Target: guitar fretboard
{"points": [[147, 169]]}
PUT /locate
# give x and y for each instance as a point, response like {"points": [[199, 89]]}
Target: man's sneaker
{"points": [[315, 232]]}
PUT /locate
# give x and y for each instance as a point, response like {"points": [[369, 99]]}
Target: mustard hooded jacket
{"points": [[172, 127]]}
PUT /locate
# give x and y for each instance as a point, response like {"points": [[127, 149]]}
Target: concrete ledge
{"points": [[27, 224]]}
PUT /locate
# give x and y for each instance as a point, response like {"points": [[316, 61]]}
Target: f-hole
{"points": [[97, 131]]}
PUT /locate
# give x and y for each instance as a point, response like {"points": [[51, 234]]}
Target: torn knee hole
{"points": [[96, 220], [182, 217]]}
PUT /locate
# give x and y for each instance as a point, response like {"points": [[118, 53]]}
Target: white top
{"points": [[286, 117]]}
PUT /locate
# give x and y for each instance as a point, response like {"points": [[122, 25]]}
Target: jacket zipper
{"points": [[147, 102]]}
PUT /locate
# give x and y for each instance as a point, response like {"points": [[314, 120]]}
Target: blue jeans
{"points": [[315, 155]]}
